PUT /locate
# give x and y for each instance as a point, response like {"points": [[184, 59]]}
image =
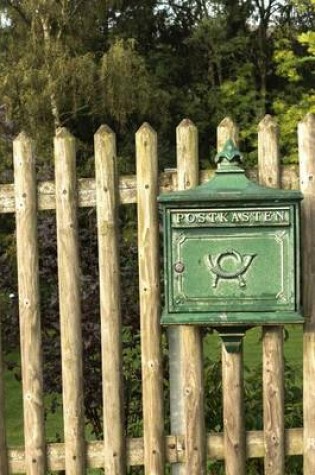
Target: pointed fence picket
{"points": [[29, 306], [272, 342], [306, 142], [149, 295], [108, 255], [232, 368], [185, 343], [188, 448], [69, 301]]}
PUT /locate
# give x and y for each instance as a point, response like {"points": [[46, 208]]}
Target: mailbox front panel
{"points": [[233, 260]]}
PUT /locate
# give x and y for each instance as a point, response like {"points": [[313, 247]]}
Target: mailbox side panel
{"points": [[298, 282]]}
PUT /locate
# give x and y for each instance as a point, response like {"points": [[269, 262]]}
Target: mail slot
{"points": [[231, 251]]}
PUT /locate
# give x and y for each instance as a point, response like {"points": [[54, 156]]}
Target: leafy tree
{"points": [[294, 58], [52, 74]]}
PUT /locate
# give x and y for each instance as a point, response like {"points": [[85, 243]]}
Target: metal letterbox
{"points": [[231, 251]]}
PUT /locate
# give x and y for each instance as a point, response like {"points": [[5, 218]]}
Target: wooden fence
{"points": [[188, 447]]}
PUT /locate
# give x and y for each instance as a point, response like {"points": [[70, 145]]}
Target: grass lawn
{"points": [[14, 417], [293, 346]]}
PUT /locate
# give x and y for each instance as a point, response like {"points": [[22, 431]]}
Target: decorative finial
{"points": [[230, 154]]}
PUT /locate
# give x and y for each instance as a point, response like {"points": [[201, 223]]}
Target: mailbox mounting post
{"points": [[232, 337], [231, 253]]}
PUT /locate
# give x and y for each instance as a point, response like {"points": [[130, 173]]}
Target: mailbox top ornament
{"points": [[229, 184], [229, 154]]}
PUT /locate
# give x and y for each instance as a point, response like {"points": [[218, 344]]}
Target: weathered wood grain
{"points": [[185, 343], [108, 255], [149, 289], [127, 188], [69, 301], [29, 305], [175, 334], [227, 129], [232, 368], [193, 389], [306, 142], [233, 412], [273, 397], [272, 343], [135, 450], [268, 152]]}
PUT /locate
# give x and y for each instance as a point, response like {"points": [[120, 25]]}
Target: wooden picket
{"points": [[306, 141], [188, 447], [149, 294], [233, 412], [69, 302], [273, 365], [29, 307], [108, 256], [185, 343], [232, 368]]}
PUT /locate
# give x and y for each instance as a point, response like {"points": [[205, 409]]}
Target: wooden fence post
{"points": [[306, 141], [273, 367], [3, 441], [29, 306], [185, 342], [149, 288], [69, 301], [232, 369], [107, 227], [233, 412], [227, 130]]}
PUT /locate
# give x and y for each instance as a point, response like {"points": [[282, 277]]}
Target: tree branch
{"points": [[17, 8]]}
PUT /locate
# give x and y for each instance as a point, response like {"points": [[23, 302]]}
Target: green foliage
{"points": [[122, 62], [286, 61], [289, 115], [61, 69], [308, 39], [8, 293], [294, 58], [125, 82]]}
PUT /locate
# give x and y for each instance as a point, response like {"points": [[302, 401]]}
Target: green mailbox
{"points": [[231, 251]]}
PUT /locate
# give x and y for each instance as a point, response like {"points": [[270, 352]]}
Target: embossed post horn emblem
{"points": [[240, 264]]}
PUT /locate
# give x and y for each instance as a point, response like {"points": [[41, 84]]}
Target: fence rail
{"points": [[188, 448], [174, 450], [46, 198]]}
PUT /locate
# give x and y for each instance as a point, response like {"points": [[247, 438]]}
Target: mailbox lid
{"points": [[229, 185]]}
